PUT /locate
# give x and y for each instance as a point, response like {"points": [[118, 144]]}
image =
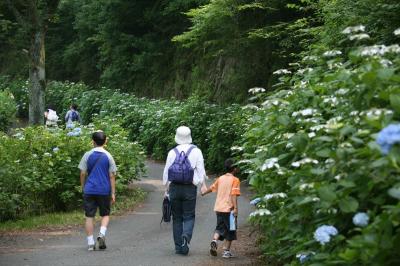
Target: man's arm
{"points": [[112, 181], [82, 178]]}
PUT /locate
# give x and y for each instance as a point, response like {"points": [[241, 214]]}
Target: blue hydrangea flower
{"points": [[70, 125], [255, 201], [56, 149], [77, 129], [388, 136], [323, 234], [304, 257], [361, 219]]}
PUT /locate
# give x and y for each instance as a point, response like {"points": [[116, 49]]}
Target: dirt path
{"points": [[134, 239]]}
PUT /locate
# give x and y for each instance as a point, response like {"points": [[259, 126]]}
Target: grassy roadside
{"points": [[62, 220]]}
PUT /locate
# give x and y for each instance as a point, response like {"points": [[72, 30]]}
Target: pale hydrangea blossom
{"points": [[342, 91], [282, 72], [305, 186], [354, 29], [397, 32], [332, 53], [270, 163], [275, 195], [358, 37], [379, 50], [305, 112], [260, 212], [311, 135], [361, 219], [237, 148], [323, 234], [245, 161], [256, 90], [304, 161], [255, 201]]}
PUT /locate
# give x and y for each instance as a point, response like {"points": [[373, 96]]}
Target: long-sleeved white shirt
{"points": [[196, 160]]}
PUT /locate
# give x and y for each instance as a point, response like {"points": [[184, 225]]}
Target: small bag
{"points": [[166, 210]]}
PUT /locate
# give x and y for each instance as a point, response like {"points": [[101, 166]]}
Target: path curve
{"points": [[134, 239]]}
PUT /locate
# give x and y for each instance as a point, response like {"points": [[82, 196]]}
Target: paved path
{"points": [[134, 239]]}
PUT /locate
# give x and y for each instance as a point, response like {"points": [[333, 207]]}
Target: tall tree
{"points": [[33, 16]]}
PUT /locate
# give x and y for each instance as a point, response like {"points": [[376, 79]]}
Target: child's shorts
{"points": [[92, 202], [222, 228]]}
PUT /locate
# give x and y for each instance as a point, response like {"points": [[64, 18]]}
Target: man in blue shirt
{"points": [[98, 170]]}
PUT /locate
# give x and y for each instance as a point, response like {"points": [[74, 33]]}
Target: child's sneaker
{"points": [[213, 248], [91, 247], [101, 241], [227, 254]]}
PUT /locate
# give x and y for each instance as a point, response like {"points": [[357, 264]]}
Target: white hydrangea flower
{"points": [[310, 58], [311, 135], [305, 112], [358, 28], [270, 163], [379, 50], [260, 212], [275, 195], [304, 161], [332, 53], [305, 186], [397, 32], [47, 154], [342, 91], [361, 36], [245, 161], [237, 148], [282, 72], [256, 90]]}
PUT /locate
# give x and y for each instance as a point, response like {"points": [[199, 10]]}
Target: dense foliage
{"points": [[231, 45], [312, 156], [39, 172], [7, 110]]}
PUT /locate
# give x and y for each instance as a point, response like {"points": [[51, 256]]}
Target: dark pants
{"points": [[183, 203]]}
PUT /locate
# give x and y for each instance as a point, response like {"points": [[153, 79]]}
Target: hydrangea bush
{"points": [[39, 171], [7, 110], [316, 140]]}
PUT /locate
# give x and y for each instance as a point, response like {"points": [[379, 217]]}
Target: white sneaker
{"points": [[227, 254], [91, 247]]}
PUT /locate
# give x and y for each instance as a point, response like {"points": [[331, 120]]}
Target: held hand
{"points": [[203, 189], [235, 212], [112, 198]]}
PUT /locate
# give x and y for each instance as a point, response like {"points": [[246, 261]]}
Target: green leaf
{"points": [[348, 204], [348, 254], [394, 192], [325, 153], [327, 194], [283, 119], [395, 101]]}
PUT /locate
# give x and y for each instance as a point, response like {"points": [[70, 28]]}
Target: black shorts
{"points": [[92, 202], [223, 226]]}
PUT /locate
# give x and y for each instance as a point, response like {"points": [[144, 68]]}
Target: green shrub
{"points": [[39, 167], [7, 110], [313, 160]]}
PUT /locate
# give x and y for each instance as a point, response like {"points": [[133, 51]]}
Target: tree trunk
{"points": [[37, 79]]}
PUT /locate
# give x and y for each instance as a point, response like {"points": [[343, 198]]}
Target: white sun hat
{"points": [[183, 135]]}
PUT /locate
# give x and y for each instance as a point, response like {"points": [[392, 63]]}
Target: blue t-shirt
{"points": [[98, 164]]}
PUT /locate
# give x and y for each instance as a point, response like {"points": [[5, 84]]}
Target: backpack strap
{"points": [[176, 152], [190, 150]]}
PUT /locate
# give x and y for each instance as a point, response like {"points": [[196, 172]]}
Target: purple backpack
{"points": [[181, 170]]}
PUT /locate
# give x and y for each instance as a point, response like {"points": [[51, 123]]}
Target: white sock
{"points": [[103, 230], [90, 240]]}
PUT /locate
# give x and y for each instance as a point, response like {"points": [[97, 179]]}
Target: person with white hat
{"points": [[183, 172]]}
